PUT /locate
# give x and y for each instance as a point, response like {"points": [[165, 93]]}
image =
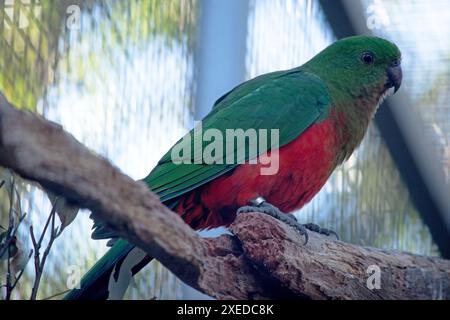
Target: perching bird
{"points": [[322, 110]]}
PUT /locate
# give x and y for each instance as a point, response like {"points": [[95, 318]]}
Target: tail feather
{"points": [[94, 284]]}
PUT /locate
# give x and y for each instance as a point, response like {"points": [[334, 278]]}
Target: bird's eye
{"points": [[395, 63], [367, 58]]}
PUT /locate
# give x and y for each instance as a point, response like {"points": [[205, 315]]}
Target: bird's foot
{"points": [[260, 205], [316, 228]]}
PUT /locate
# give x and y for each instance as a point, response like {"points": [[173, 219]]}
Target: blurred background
{"points": [[129, 78]]}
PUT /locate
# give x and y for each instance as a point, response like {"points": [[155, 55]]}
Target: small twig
{"points": [[52, 239], [7, 245], [44, 231], [39, 262], [21, 218], [8, 276], [36, 265]]}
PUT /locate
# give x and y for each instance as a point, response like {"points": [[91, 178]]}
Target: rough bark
{"points": [[263, 259]]}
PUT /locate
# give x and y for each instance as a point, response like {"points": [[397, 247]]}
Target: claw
{"points": [[306, 238], [316, 228], [331, 232], [245, 209], [260, 205]]}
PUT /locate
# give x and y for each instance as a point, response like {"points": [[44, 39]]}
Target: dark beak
{"points": [[394, 74]]}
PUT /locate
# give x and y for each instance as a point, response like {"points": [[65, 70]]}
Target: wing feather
{"points": [[289, 101]]}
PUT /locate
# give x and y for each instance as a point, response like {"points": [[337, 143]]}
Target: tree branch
{"points": [[264, 258]]}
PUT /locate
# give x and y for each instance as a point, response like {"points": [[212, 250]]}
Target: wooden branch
{"points": [[330, 269], [264, 258]]}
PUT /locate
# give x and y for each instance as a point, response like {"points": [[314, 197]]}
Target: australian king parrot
{"points": [[321, 110]]}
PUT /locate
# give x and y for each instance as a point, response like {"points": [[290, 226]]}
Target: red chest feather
{"points": [[304, 166]]}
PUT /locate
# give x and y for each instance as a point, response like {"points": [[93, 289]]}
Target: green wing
{"points": [[286, 100]]}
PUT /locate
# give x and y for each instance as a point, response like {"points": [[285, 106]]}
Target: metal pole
{"points": [[220, 56]]}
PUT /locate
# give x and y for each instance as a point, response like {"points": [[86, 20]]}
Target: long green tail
{"points": [[94, 284]]}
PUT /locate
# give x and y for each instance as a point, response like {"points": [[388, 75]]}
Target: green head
{"points": [[360, 65]]}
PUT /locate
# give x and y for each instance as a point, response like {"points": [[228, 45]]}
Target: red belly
{"points": [[304, 166]]}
